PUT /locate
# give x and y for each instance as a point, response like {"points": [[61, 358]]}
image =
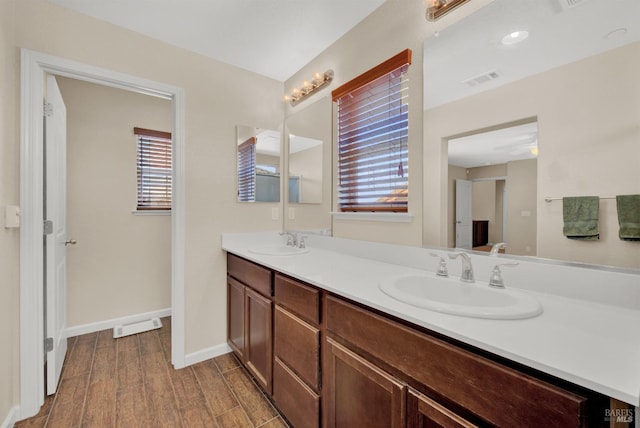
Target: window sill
{"points": [[151, 212], [370, 216]]}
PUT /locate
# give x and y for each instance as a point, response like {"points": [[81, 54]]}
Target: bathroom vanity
{"points": [[330, 349]]}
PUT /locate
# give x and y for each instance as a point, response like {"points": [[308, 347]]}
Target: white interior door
{"points": [[464, 221], [55, 202]]}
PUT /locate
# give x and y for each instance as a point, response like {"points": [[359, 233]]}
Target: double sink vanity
{"points": [[353, 333]]}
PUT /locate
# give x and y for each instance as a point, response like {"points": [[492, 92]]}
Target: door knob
{"points": [[71, 242]]}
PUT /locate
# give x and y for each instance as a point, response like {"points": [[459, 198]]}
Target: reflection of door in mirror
{"points": [[258, 161], [499, 169]]}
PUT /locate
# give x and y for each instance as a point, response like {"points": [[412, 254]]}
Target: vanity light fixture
{"points": [[308, 87], [439, 8], [515, 37]]}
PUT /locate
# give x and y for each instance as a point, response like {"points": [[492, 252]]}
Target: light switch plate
{"points": [[292, 213], [275, 213], [11, 216]]}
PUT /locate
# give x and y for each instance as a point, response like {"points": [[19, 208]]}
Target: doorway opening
{"points": [[34, 67], [492, 176]]}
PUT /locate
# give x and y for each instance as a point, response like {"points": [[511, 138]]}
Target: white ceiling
{"points": [[558, 34], [274, 38], [495, 147]]}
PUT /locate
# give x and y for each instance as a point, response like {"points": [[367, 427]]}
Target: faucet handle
{"points": [[496, 280], [301, 243], [442, 266]]}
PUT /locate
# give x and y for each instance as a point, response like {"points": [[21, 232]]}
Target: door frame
{"points": [[34, 67]]}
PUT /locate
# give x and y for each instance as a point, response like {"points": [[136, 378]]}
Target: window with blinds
{"points": [[247, 170], [373, 129], [154, 169]]}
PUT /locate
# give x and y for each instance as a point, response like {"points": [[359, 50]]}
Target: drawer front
{"points": [[498, 394], [298, 345], [299, 404], [251, 274], [299, 298]]}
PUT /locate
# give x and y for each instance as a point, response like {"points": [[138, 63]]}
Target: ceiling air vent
{"points": [[482, 78], [568, 4]]}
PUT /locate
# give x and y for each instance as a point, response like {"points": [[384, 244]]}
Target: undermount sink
{"points": [[277, 250], [451, 296]]}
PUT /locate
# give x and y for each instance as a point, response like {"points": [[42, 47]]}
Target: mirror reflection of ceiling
{"points": [[268, 142], [470, 57], [495, 147], [274, 38], [298, 144]]}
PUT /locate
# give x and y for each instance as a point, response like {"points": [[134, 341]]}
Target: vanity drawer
{"points": [[299, 404], [498, 394], [251, 274], [297, 344], [299, 298]]}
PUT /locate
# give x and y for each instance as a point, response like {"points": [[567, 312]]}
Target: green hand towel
{"points": [[629, 217], [580, 215]]}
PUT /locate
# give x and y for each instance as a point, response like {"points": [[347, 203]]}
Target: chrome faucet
{"points": [[496, 248], [467, 269], [292, 238]]}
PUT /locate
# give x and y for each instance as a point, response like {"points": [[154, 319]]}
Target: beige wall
{"points": [[306, 164], [121, 264], [9, 195], [395, 26], [217, 98], [484, 202], [522, 207], [588, 141]]}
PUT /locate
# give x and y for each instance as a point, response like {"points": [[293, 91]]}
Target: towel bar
{"points": [[559, 199]]}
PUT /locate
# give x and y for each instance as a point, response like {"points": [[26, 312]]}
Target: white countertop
{"points": [[577, 339]]}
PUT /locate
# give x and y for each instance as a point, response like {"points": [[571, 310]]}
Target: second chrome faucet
{"points": [[467, 268]]}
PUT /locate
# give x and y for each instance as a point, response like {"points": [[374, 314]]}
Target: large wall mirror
{"points": [[551, 87], [308, 165], [258, 159]]}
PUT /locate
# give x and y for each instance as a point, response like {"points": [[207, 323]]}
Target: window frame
{"points": [[163, 141], [390, 203]]}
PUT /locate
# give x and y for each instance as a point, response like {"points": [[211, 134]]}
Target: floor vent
{"points": [[136, 327]]}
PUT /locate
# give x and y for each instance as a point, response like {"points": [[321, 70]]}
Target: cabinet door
{"points": [[235, 316], [259, 345], [359, 394], [423, 412]]}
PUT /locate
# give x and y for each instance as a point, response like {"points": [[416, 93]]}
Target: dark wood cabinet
{"points": [[423, 412], [481, 386], [480, 232], [296, 380], [259, 344], [235, 316], [358, 393], [250, 317]]}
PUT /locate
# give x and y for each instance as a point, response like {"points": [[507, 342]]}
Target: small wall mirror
{"points": [[258, 160]]}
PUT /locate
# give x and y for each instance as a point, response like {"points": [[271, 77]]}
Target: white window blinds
{"points": [[154, 169], [373, 131], [247, 170]]}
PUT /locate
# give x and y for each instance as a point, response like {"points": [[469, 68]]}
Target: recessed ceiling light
{"points": [[616, 33], [515, 37]]}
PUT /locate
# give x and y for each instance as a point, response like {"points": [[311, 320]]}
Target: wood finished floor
{"points": [[129, 382]]}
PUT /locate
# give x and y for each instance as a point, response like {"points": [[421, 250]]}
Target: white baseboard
{"points": [[10, 420], [206, 354], [109, 324]]}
